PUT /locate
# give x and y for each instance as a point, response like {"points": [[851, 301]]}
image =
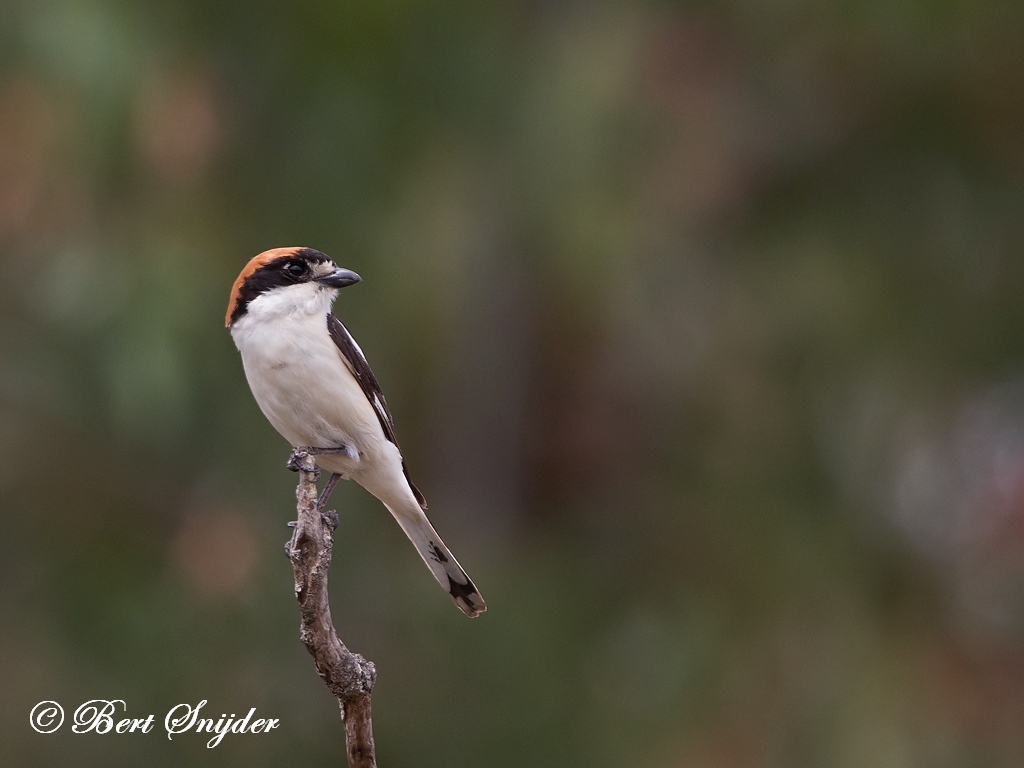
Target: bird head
{"points": [[286, 275]]}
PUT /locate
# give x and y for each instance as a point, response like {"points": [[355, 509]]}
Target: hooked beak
{"points": [[339, 278]]}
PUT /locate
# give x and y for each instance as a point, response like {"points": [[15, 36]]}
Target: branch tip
{"points": [[349, 676]]}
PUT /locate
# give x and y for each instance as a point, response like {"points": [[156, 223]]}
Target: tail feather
{"points": [[441, 562]]}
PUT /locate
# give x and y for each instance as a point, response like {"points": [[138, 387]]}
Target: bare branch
{"points": [[348, 675]]}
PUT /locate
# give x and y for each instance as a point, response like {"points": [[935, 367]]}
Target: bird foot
{"points": [[331, 518], [301, 460], [300, 452]]}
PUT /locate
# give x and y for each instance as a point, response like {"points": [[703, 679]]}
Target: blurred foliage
{"points": [[701, 323]]}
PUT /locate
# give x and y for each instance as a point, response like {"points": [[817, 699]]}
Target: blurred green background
{"points": [[703, 329]]}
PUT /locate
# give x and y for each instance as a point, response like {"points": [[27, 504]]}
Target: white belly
{"points": [[306, 391]]}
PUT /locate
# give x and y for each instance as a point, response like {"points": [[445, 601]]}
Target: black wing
{"points": [[368, 382]]}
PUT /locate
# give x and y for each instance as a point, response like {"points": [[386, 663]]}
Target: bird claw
{"points": [[331, 518], [297, 461], [300, 453]]}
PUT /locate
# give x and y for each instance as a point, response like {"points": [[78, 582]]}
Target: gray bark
{"points": [[348, 675]]}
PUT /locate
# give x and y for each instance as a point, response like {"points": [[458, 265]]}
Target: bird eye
{"points": [[295, 268]]}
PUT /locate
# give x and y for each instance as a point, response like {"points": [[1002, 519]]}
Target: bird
{"points": [[312, 382]]}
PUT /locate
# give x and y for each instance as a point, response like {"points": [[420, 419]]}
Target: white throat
{"points": [[293, 301]]}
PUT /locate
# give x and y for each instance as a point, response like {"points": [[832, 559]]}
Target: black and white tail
{"points": [[441, 561]]}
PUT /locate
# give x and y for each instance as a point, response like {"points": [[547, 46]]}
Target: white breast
{"points": [[297, 374]]}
